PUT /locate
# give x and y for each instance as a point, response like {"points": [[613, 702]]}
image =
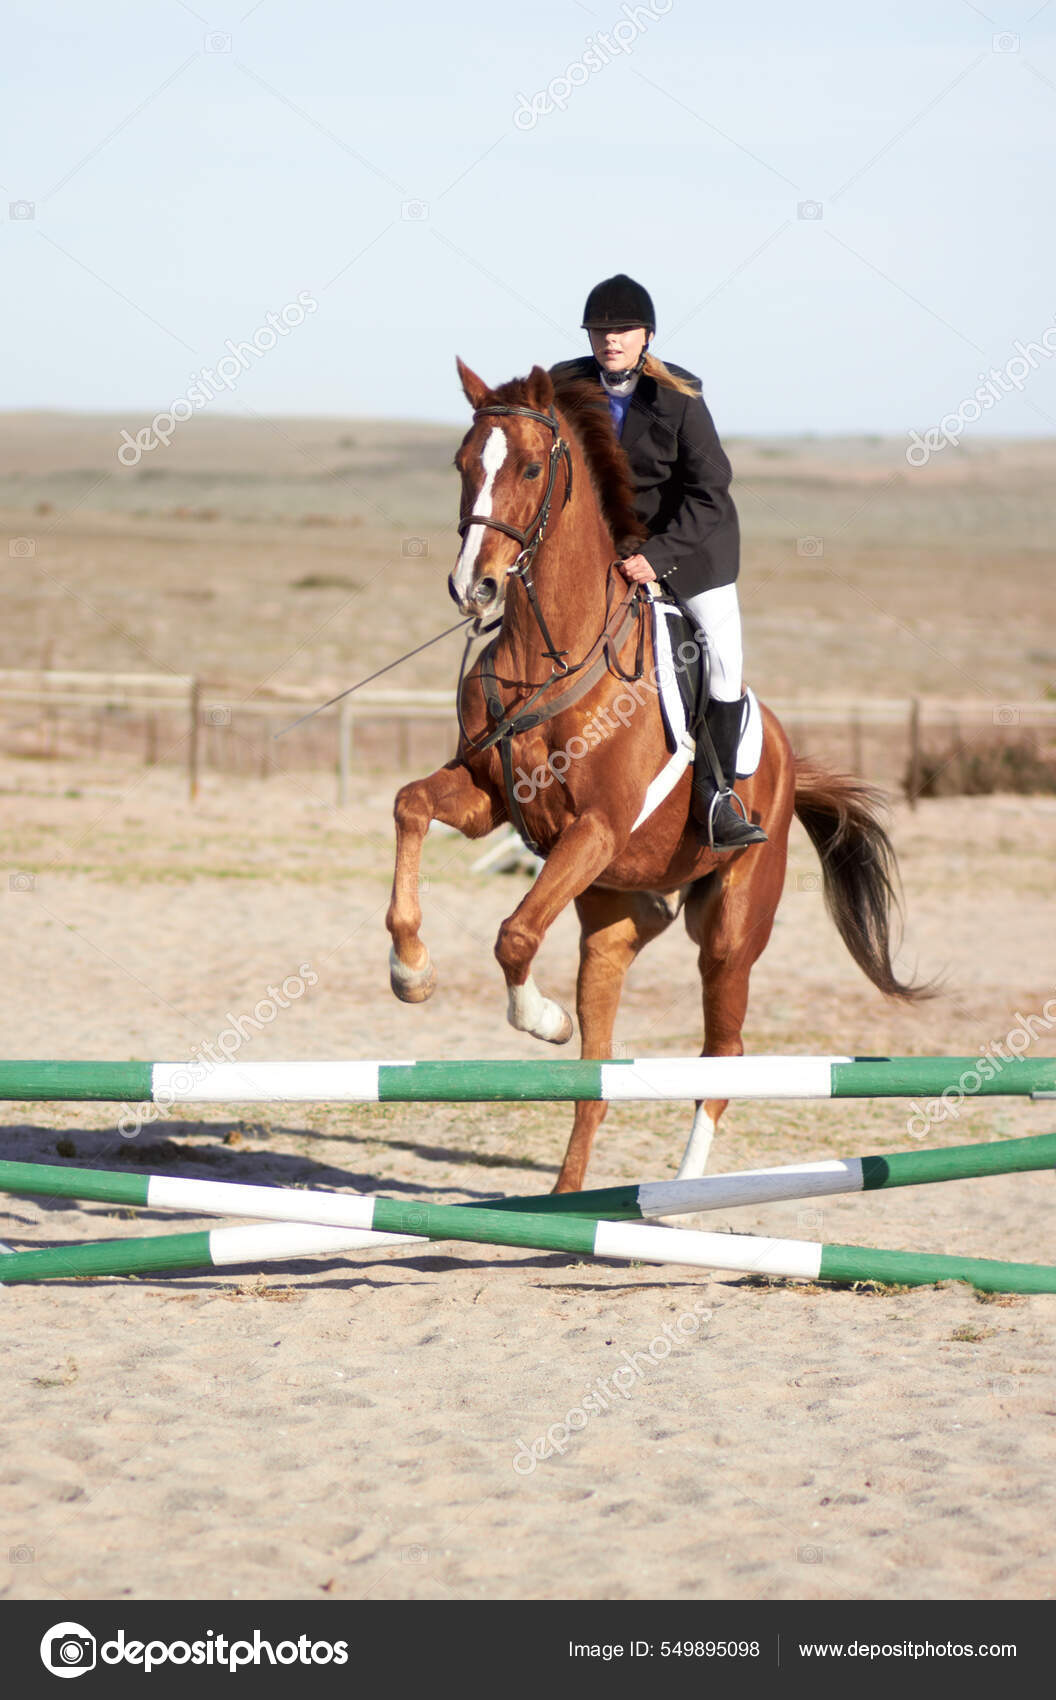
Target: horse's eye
{"points": [[533, 471]]}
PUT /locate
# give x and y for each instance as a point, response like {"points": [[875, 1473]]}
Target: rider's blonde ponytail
{"points": [[655, 368]]}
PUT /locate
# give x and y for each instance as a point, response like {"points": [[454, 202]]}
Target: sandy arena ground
{"points": [[349, 1429]]}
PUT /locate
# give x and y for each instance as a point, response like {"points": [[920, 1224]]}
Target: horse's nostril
{"points": [[486, 590]]}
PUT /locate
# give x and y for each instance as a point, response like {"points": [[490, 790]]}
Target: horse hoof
{"points": [[530, 1012], [411, 985]]}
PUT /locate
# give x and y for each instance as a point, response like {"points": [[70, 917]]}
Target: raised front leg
{"points": [[614, 927], [582, 851], [451, 795]]}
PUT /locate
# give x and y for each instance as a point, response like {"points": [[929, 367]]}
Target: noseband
{"points": [[532, 536]]}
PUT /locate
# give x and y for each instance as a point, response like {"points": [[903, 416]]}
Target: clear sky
{"points": [[844, 212]]}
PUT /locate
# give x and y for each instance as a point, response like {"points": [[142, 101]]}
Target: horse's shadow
{"points": [[217, 1160], [220, 1161], [334, 1274]]}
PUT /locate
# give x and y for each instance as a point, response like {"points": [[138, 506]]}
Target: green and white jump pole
{"points": [[303, 1223], [251, 1243], [630, 1080], [580, 1236], [631, 1203]]}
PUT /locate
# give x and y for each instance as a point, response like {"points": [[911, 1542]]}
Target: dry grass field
{"points": [[309, 551], [347, 1430]]}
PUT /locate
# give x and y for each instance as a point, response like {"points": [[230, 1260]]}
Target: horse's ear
{"points": [[474, 389], [540, 388]]}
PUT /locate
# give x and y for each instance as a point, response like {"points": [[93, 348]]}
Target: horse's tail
{"points": [[859, 870]]}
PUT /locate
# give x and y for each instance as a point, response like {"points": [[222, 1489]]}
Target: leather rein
{"points": [[602, 656]]}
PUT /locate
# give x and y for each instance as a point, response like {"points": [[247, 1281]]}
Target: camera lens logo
{"points": [[68, 1649]]}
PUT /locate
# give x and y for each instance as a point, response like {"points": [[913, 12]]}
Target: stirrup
{"points": [[752, 834]]}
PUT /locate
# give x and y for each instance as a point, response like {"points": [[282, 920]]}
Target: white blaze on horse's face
{"points": [[463, 585]]}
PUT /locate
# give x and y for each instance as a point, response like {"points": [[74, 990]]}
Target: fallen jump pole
{"points": [[629, 1080], [634, 1203], [254, 1242], [565, 1232]]}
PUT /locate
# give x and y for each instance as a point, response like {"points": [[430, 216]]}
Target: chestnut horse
{"points": [[547, 500]]}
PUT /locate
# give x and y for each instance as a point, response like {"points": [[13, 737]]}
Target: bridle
{"points": [[602, 655], [532, 536]]}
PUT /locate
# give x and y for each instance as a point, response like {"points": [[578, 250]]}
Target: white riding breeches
{"points": [[717, 613]]}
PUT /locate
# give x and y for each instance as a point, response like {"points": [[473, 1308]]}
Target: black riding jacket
{"points": [[682, 482]]}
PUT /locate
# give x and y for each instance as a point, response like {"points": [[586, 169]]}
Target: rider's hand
{"points": [[636, 570]]}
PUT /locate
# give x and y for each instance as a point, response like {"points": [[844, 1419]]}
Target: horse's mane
{"points": [[586, 412]]}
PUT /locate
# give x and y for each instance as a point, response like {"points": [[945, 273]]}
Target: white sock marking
{"points": [[530, 1012], [695, 1160]]}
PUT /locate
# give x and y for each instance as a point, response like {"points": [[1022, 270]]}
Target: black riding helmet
{"points": [[619, 301]]}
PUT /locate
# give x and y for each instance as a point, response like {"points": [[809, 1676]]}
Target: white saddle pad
{"points": [[682, 746]]}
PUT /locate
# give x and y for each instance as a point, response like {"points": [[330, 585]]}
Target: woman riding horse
{"points": [[681, 478], [547, 504]]}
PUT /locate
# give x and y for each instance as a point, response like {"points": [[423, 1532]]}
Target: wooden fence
{"points": [[179, 718]]}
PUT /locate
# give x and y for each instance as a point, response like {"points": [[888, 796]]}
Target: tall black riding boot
{"points": [[717, 813]]}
